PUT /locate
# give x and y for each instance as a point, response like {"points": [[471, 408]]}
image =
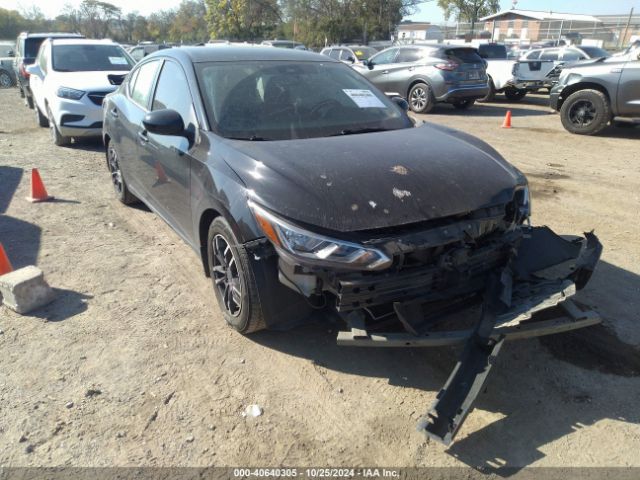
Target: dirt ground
{"points": [[133, 364]]}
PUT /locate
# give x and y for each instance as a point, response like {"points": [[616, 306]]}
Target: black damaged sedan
{"points": [[302, 187]]}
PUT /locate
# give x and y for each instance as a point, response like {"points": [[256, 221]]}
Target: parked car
{"points": [[27, 46], [351, 54], [140, 51], [499, 72], [590, 94], [429, 74], [304, 188], [284, 44], [7, 76], [69, 81], [537, 68]]}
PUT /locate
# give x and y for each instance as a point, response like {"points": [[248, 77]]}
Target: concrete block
{"points": [[25, 289]]}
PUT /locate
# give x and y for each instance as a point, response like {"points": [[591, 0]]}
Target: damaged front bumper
{"points": [[510, 284]]}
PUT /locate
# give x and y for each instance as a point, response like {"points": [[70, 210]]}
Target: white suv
{"points": [[69, 80]]}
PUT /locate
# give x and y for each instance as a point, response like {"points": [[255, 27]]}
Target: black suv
{"points": [[27, 46]]}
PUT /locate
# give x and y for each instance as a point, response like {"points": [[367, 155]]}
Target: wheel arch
{"points": [[206, 219], [416, 81]]}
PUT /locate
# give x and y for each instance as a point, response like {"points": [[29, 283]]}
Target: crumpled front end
{"points": [[477, 280]]}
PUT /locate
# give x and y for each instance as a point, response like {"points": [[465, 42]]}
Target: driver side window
{"points": [[385, 57]]}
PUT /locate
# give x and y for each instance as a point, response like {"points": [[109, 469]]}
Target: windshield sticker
{"points": [[364, 98], [118, 61]]}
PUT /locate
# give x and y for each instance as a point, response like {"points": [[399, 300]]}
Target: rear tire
{"points": [[5, 80], [514, 95], [42, 120], [464, 104], [491, 96], [421, 99], [585, 112], [233, 279], [119, 185]]}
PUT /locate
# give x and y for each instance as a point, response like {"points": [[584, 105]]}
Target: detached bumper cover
{"points": [[541, 273]]}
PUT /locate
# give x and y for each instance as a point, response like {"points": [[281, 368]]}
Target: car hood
{"points": [[375, 180], [88, 81]]}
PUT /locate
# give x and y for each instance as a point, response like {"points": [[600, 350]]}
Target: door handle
{"points": [[114, 112], [616, 70], [385, 72], [411, 69], [142, 135]]}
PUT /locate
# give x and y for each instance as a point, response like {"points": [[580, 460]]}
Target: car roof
{"points": [[238, 53], [81, 41], [50, 35]]}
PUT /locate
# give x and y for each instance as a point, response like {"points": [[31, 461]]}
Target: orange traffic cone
{"points": [[38, 192], [5, 264], [507, 120]]}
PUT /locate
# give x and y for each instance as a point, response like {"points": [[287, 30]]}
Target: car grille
{"points": [[97, 97]]}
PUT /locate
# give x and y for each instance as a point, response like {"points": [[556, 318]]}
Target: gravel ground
{"points": [[133, 365]]}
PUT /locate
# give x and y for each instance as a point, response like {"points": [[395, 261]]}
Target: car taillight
{"points": [[449, 66], [23, 71]]}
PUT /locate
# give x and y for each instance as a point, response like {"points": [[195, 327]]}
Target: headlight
{"points": [[317, 249], [70, 93]]}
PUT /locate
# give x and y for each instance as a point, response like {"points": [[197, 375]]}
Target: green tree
{"points": [[189, 24], [96, 17], [159, 25], [11, 23], [469, 10], [242, 19]]}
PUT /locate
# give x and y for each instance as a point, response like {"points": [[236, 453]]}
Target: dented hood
{"points": [[373, 180]]}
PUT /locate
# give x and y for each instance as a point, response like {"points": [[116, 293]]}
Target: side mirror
{"points": [[369, 64], [34, 70], [164, 122], [11, 53], [401, 102], [350, 59]]}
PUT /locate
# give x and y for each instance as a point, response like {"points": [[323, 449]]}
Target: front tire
{"points": [[514, 95], [421, 99], [233, 279], [42, 120], [119, 185], [56, 137], [585, 112]]}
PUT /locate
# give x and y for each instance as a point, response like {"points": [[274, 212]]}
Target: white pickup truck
{"points": [[540, 68], [500, 71]]}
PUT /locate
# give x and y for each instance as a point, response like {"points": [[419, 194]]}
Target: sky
{"points": [[429, 11]]}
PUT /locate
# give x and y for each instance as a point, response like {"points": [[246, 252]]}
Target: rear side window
{"points": [[335, 53], [550, 55], [572, 55], [143, 85], [409, 55], [493, 51], [464, 55], [535, 55]]}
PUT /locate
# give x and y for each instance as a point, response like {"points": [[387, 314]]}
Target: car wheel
{"points": [[421, 98], [464, 104], [5, 80], [56, 137], [119, 185], [233, 279], [585, 112], [40, 118], [514, 95], [491, 96]]}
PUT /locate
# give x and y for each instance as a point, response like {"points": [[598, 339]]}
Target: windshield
{"points": [[90, 58], [493, 51], [280, 100], [595, 52]]}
